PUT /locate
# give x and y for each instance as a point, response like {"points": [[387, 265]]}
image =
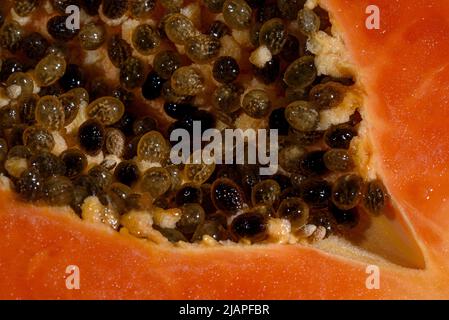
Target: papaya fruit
{"points": [[399, 70]]}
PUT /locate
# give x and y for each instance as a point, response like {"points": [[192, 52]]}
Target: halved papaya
{"points": [[403, 70]]}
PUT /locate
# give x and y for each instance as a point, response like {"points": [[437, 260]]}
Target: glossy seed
{"points": [[338, 160], [11, 35], [290, 157], [38, 139], [30, 185], [328, 95], [172, 235], [188, 193], [227, 97], [50, 113], [346, 218], [218, 29], [75, 162], [198, 172], [144, 125], [58, 28], [266, 192], [19, 84], [118, 50], [114, 142], [339, 137], [277, 121], [71, 105], [127, 172], [316, 192], [58, 191], [92, 36], [227, 196], [273, 34], [187, 81], [91, 136], [140, 8], [156, 181], [192, 215], [9, 116], [375, 196], [9, 66], [34, 45], [347, 191], [308, 22], [295, 210], [250, 226], [114, 9], [301, 72], [202, 48], [108, 110], [179, 28], [49, 70], [146, 39], [302, 116], [269, 73], [256, 103], [72, 78], [153, 147], [47, 164], [102, 177], [225, 69], [170, 95], [312, 163], [237, 14], [132, 73], [166, 62], [152, 87]]}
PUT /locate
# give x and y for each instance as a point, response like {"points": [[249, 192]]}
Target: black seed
{"points": [[267, 12], [47, 164], [347, 218], [57, 28], [347, 191], [316, 192], [218, 29], [52, 90], [75, 162], [58, 191], [270, 71], [9, 116], [88, 183], [30, 185], [277, 121], [132, 73], [225, 69], [152, 87], [252, 226], [61, 5], [91, 136], [91, 6], [125, 96], [10, 66], [291, 49], [178, 110], [34, 46], [188, 194], [312, 163], [114, 9], [375, 196], [125, 124], [72, 78], [339, 137], [127, 173], [118, 50], [227, 196]]}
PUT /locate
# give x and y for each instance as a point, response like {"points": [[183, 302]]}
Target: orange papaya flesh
{"points": [[403, 70]]}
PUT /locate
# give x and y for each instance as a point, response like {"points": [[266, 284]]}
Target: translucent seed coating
{"points": [[50, 113], [375, 197], [11, 35], [227, 97], [75, 161], [212, 229], [91, 136], [256, 103], [139, 8], [132, 73], [347, 191], [202, 48], [316, 192], [146, 39], [338, 160], [166, 62], [215, 6], [301, 72], [156, 181], [328, 95], [237, 14], [92, 36], [118, 50], [34, 45], [266, 192], [114, 9], [198, 172], [102, 177], [225, 69], [187, 81], [192, 215], [188, 193], [172, 5], [295, 210], [57, 27], [218, 29], [49, 70], [312, 163], [250, 226], [47, 164], [24, 8], [30, 185], [308, 22], [114, 142], [108, 110], [290, 157], [9, 116], [179, 28], [71, 105], [227, 196], [58, 191], [301, 116], [127, 172], [19, 84], [153, 147], [38, 139], [273, 34]]}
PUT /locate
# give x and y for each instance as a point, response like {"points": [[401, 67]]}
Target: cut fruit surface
{"points": [[403, 140]]}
